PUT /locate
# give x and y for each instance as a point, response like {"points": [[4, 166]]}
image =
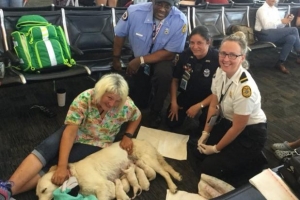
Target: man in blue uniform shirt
{"points": [[156, 31]]}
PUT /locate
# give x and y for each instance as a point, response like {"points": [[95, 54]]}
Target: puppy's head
{"points": [[45, 188]]}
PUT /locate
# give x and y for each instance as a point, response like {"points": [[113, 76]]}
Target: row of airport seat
{"points": [[243, 3], [218, 20], [90, 33]]}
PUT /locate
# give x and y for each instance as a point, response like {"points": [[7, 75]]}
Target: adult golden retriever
{"points": [[97, 172]]}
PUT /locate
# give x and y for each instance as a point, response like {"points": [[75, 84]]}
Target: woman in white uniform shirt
{"points": [[239, 133]]}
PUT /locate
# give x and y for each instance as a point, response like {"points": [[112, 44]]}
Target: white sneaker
{"points": [[282, 154], [282, 146]]}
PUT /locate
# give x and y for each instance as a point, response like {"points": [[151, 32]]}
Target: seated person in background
{"points": [[298, 21], [269, 27], [285, 149], [193, 75], [92, 123], [236, 128], [156, 31]]}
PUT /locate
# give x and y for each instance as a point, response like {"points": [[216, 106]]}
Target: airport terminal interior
{"points": [[23, 127]]}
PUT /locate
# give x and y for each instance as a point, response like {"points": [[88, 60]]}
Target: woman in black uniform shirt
{"points": [[193, 76]]}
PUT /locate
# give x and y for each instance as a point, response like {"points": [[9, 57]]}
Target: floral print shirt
{"points": [[94, 130]]}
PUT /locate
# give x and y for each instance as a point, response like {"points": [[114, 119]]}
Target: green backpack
{"points": [[40, 44]]}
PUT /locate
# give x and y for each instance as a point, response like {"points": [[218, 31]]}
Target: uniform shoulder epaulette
{"points": [[243, 78]]}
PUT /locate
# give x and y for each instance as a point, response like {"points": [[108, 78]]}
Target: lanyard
{"points": [[222, 95], [155, 32]]}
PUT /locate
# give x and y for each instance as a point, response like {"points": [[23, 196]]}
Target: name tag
{"points": [[138, 34], [183, 84]]}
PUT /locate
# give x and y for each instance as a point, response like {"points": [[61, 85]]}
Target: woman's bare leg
{"points": [[29, 185], [26, 175]]}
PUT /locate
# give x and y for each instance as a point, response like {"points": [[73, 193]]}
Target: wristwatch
{"points": [[142, 60], [128, 135]]}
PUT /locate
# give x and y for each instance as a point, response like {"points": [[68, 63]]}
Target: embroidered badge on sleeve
{"points": [[246, 91], [184, 28], [125, 16]]}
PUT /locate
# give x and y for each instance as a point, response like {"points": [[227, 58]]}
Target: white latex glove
{"points": [[208, 149], [204, 137]]}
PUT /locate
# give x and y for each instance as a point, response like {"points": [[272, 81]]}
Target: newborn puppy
{"points": [[120, 193], [125, 183], [142, 178], [131, 176]]}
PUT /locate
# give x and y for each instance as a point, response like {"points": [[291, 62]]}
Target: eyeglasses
{"points": [[231, 56], [166, 6]]}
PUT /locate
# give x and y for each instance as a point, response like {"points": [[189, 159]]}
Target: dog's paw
{"points": [[173, 189], [178, 177]]}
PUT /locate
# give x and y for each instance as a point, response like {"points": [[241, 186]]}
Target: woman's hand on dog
{"points": [[60, 175], [126, 144]]}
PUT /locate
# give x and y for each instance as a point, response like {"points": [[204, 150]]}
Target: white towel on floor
{"points": [[182, 195], [271, 186], [168, 144]]}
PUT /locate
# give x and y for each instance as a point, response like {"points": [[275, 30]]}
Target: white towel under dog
{"points": [[182, 195], [168, 144]]}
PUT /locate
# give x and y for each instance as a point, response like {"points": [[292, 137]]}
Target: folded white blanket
{"points": [[208, 187], [211, 187], [271, 186]]}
